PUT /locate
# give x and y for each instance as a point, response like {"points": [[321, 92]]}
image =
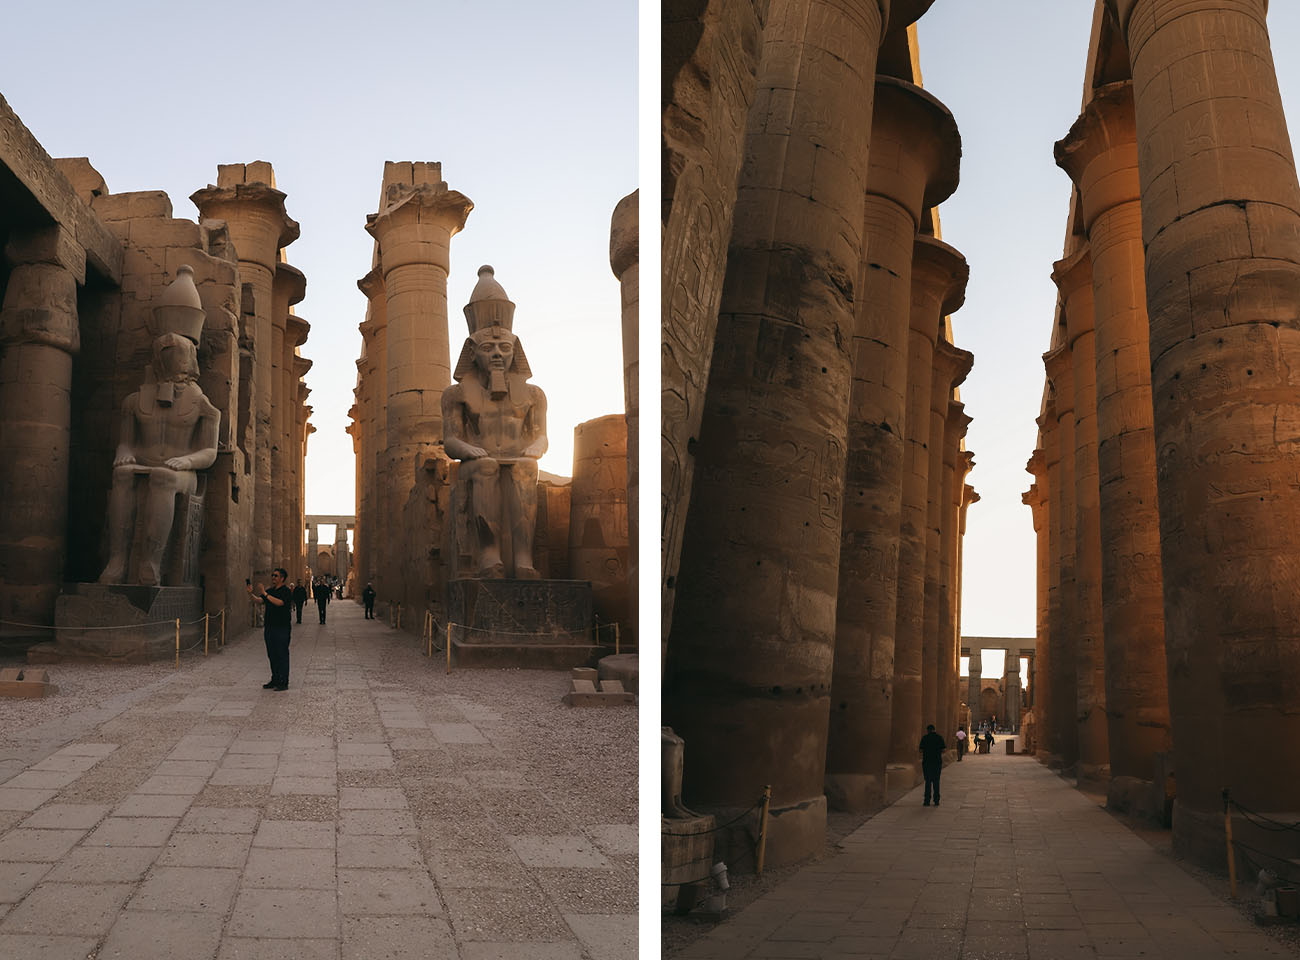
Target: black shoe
{"points": [[280, 686], [270, 685], [926, 804]]}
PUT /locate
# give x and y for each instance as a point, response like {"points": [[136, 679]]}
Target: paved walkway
{"points": [[1014, 865], [378, 808]]}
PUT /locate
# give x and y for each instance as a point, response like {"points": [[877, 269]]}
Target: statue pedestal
{"points": [[541, 624], [142, 622]]}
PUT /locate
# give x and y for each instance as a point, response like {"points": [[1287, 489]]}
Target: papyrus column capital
{"points": [[255, 216], [915, 147], [1073, 278], [417, 223], [939, 274]]}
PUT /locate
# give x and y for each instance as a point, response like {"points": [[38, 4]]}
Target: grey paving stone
{"points": [[162, 936], [557, 851], [387, 892], [605, 937], [66, 762], [364, 762], [15, 798], [294, 833], [43, 779], [615, 839], [28, 947], [361, 749], [255, 746], [16, 879], [38, 845], [397, 938], [153, 805], [315, 786], [70, 909], [310, 914], [242, 777], [250, 761], [371, 798], [386, 823], [220, 820], [186, 768], [206, 850], [306, 768], [371, 851], [104, 864], [67, 816], [201, 889], [87, 749], [184, 751], [525, 950], [186, 786], [285, 868], [133, 832]]}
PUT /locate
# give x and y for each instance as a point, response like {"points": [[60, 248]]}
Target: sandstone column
{"points": [[598, 516], [950, 368], [710, 53], [296, 334], [748, 670], [1100, 154], [943, 670], [974, 683], [624, 260], [1223, 297], [288, 286], [1060, 372], [1073, 278], [414, 227], [313, 548], [1038, 499], [374, 332], [39, 335], [939, 275], [1011, 689], [916, 140], [246, 198]]}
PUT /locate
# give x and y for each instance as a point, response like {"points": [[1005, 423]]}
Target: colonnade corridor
{"points": [[1014, 864]]}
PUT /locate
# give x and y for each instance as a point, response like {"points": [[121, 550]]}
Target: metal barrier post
{"points": [[205, 634], [762, 827], [449, 646], [178, 643], [1227, 831], [223, 626], [616, 632]]}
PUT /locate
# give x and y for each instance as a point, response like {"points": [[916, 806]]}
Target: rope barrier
{"points": [[1263, 821]]}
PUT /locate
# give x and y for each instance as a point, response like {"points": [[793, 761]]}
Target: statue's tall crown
{"points": [[488, 305], [180, 310]]}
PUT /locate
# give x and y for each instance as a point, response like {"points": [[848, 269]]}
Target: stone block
{"points": [[134, 205], [19, 682], [624, 667], [536, 624], [586, 673], [122, 622], [582, 686]]}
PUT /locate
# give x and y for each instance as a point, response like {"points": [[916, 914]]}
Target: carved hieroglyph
{"points": [[494, 422], [169, 433]]}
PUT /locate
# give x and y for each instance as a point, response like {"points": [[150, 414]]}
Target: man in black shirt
{"points": [[299, 598], [321, 591], [276, 625], [368, 598], [932, 747]]}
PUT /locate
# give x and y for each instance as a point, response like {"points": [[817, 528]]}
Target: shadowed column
{"points": [[1221, 224], [1073, 278], [1042, 465], [1060, 371], [939, 677], [939, 275], [915, 141], [748, 670], [1100, 154]]}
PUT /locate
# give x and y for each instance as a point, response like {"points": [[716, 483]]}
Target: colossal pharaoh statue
{"points": [[169, 432], [494, 422]]}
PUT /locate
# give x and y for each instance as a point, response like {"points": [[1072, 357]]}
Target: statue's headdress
{"points": [[489, 313], [180, 310]]}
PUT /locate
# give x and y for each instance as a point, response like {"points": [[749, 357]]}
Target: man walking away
{"points": [[961, 743], [368, 598], [321, 591], [299, 598], [276, 626], [932, 747]]}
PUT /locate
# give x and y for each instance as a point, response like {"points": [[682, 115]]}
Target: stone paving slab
{"points": [[1015, 864], [378, 808]]}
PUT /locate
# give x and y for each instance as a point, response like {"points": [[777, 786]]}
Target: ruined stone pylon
{"points": [[916, 138], [1100, 155], [1221, 224]]}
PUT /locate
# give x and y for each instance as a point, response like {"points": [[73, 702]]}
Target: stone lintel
{"points": [[623, 233], [1073, 276], [290, 282], [941, 267], [133, 205], [911, 118], [50, 190]]}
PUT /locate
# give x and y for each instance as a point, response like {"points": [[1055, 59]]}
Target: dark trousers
{"points": [[370, 610], [961, 749], [320, 604], [298, 607], [277, 651], [931, 773]]}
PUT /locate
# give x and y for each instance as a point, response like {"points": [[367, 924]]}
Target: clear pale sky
{"points": [[530, 107], [1012, 72]]}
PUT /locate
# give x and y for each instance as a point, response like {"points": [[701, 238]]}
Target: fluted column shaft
{"points": [[1073, 278], [938, 286], [39, 335], [1039, 500], [1221, 224], [748, 670], [1101, 156]]}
